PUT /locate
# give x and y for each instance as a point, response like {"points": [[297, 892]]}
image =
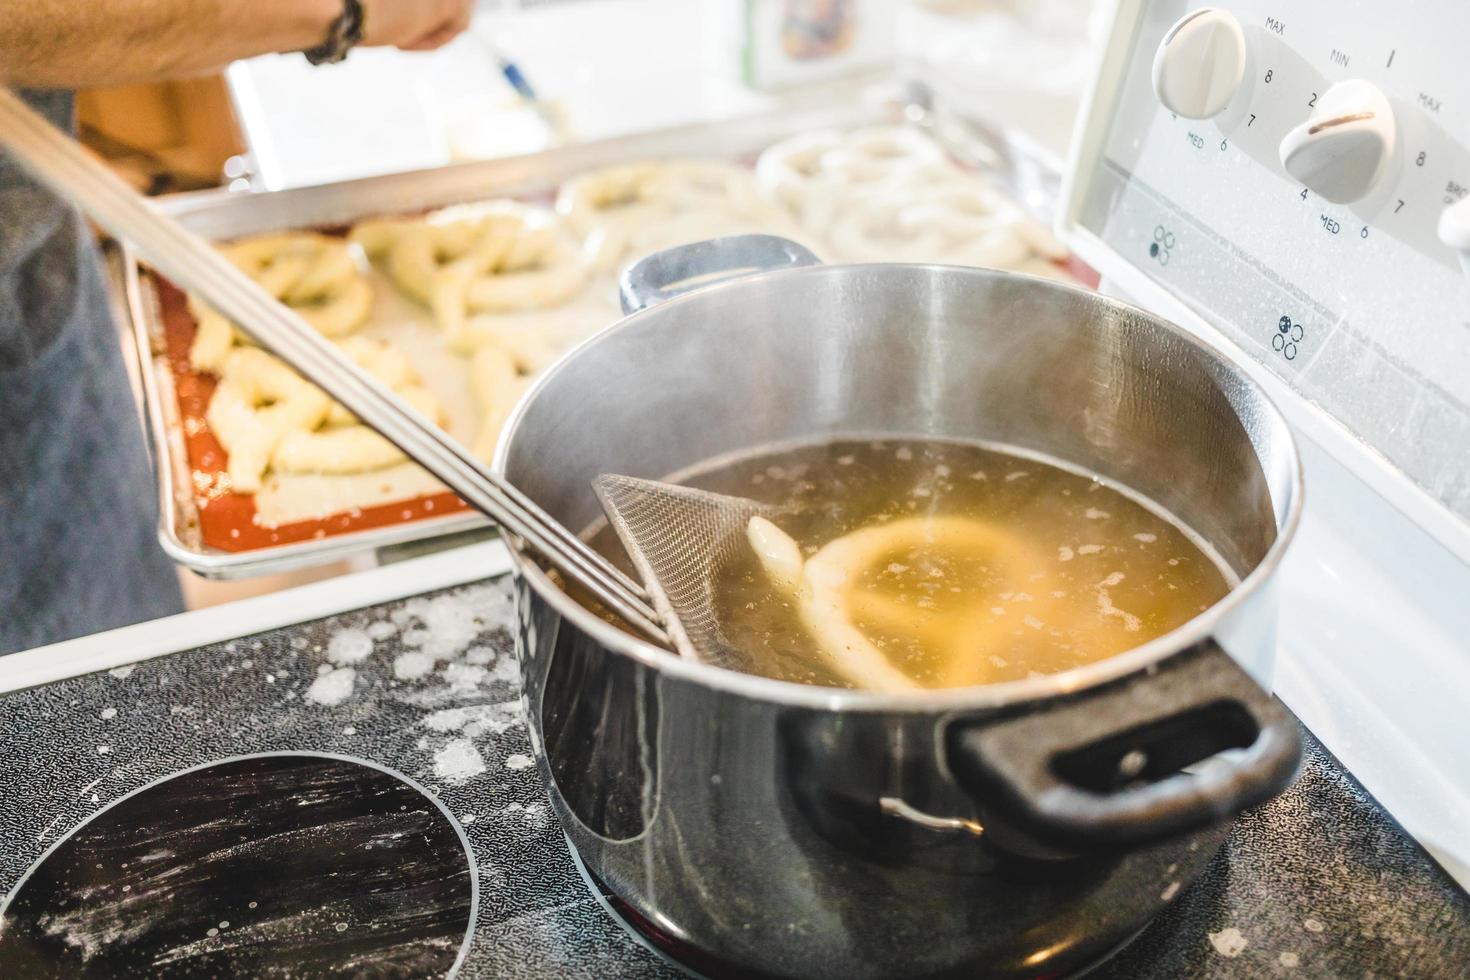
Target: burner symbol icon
{"points": [[1288, 334], [1159, 248]]}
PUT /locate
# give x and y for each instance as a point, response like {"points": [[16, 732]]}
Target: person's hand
{"points": [[414, 25]]}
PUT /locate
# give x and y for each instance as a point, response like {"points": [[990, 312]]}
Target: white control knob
{"points": [[1200, 63], [1345, 146], [1454, 230]]}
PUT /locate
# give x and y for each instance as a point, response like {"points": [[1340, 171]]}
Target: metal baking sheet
{"points": [[224, 215], [178, 511]]}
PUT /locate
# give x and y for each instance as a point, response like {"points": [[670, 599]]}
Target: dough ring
{"points": [[816, 174], [824, 589], [617, 208], [876, 153], [214, 337], [313, 274], [499, 379], [267, 417], [509, 259], [967, 208], [889, 194], [257, 402], [956, 221], [961, 224]]}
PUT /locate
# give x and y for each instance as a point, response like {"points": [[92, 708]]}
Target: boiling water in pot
{"points": [[950, 563]]}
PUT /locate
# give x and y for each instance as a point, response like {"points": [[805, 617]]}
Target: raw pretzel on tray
{"points": [[313, 274], [506, 258], [628, 211], [268, 418]]}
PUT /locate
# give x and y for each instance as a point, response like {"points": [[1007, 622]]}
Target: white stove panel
{"points": [[1359, 306], [1290, 180]]}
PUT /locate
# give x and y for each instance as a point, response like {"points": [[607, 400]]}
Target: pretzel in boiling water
{"points": [[825, 590]]}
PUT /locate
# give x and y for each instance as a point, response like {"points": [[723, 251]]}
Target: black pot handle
{"points": [[664, 275], [1104, 767]]}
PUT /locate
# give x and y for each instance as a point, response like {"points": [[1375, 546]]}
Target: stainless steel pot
{"points": [[1017, 829]]}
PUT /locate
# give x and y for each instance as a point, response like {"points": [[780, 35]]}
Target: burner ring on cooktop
{"points": [[280, 864]]}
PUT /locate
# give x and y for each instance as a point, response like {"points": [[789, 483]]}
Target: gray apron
{"points": [[78, 547]]}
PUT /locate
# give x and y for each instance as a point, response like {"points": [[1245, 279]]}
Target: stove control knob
{"points": [[1454, 230], [1345, 146], [1200, 63]]}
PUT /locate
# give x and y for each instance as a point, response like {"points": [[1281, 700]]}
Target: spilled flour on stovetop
{"points": [[444, 627], [476, 719], [438, 638], [458, 762], [380, 630], [535, 815], [349, 646], [412, 666], [333, 687], [462, 677], [445, 655], [1229, 943]]}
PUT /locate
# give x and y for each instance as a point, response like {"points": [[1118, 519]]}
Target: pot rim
{"points": [[791, 693]]}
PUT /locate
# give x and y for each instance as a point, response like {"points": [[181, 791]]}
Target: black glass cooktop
{"points": [[1318, 883], [294, 866]]}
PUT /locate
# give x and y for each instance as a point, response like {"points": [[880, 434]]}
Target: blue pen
{"points": [[516, 78]]}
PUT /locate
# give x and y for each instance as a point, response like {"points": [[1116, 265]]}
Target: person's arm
{"points": [[75, 43]]}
